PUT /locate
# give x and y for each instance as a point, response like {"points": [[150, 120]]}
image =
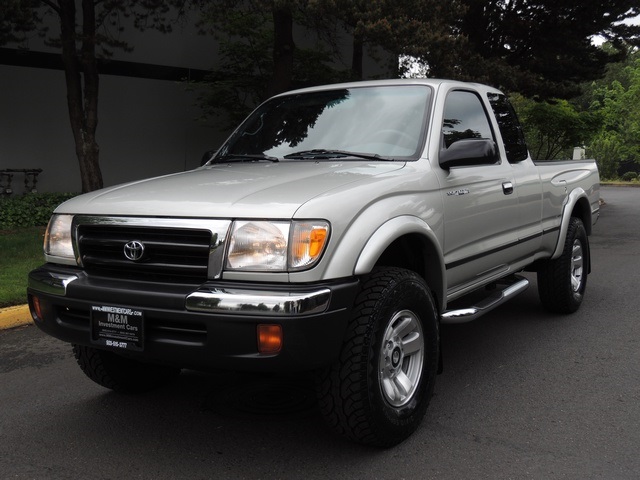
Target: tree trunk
{"points": [[81, 74], [357, 57], [283, 47]]}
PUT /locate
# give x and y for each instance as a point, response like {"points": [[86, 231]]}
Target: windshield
{"points": [[384, 122]]}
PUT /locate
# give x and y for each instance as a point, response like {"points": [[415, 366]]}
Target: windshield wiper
{"points": [[244, 157], [324, 153]]}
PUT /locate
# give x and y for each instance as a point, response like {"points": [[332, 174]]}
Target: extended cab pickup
{"points": [[334, 232]]}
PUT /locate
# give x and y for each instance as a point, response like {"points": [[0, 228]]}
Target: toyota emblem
{"points": [[134, 250]]}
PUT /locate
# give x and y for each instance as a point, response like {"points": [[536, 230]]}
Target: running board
{"points": [[497, 298]]}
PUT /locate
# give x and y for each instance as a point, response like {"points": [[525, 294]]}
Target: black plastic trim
{"points": [[472, 258]]}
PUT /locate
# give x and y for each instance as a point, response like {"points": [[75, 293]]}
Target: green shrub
{"points": [[630, 176], [20, 252], [30, 210]]}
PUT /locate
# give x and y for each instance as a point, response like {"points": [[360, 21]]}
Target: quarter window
{"points": [[510, 128]]}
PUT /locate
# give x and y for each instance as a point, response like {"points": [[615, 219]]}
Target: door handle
{"points": [[507, 188]]}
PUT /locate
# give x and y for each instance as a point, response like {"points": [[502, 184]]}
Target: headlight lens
{"points": [[257, 245], [57, 239], [276, 246]]}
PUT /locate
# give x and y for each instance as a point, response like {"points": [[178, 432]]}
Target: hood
{"points": [[263, 190]]}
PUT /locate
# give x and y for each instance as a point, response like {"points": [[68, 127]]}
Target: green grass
{"points": [[20, 252], [620, 183]]}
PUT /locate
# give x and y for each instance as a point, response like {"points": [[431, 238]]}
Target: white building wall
{"points": [[146, 127], [34, 128]]}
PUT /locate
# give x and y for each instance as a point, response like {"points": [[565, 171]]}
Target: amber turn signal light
{"points": [[269, 338], [36, 310]]}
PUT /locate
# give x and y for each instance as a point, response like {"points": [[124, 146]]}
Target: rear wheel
{"points": [[119, 373], [562, 282], [378, 391]]}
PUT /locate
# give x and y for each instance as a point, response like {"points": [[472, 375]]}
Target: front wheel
{"points": [[119, 373], [378, 391], [562, 282]]}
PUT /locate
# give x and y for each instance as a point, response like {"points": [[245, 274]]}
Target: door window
{"points": [[464, 117]]}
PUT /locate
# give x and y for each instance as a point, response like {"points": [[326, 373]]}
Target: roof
{"points": [[432, 82]]}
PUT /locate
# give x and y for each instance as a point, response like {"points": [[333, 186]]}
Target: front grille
{"points": [[170, 254]]}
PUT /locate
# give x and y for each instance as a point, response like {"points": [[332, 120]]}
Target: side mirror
{"points": [[468, 152]]}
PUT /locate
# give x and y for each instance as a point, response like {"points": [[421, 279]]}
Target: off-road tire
{"points": [[562, 282], [356, 394], [119, 373]]}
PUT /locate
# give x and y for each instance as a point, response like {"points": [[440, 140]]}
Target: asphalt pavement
{"points": [[524, 395]]}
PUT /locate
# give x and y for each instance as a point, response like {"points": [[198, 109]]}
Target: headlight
{"points": [[258, 245], [276, 246], [57, 239]]}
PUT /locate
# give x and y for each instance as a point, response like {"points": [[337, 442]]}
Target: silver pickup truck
{"points": [[334, 232]]}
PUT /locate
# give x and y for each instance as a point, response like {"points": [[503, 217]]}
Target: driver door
{"points": [[480, 207]]}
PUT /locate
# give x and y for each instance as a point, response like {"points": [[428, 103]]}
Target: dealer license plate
{"points": [[120, 328]]}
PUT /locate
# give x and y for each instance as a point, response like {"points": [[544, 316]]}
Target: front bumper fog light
{"points": [[36, 308], [269, 338]]}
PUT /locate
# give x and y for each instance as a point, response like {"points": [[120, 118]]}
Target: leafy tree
{"points": [[553, 128], [617, 107], [259, 57], [84, 31], [543, 47], [421, 29], [605, 118], [607, 148]]}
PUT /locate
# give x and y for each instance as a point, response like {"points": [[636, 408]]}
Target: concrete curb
{"points": [[12, 317]]}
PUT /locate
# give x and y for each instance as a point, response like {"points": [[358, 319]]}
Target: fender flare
{"points": [[573, 198], [394, 229]]}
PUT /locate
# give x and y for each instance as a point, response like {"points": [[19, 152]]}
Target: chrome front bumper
{"points": [[214, 299], [253, 302]]}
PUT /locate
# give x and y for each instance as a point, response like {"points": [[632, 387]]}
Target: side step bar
{"points": [[495, 299]]}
